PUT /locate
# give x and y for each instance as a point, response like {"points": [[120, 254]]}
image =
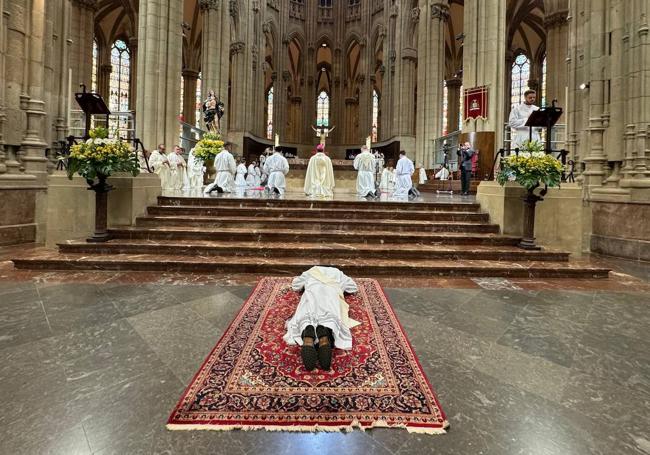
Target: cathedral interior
{"points": [[542, 352]]}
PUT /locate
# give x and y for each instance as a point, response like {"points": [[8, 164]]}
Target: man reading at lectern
{"points": [[520, 133]]}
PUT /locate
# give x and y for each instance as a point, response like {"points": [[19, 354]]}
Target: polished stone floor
{"points": [[96, 367]]}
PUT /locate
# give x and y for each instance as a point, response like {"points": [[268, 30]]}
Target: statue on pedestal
{"points": [[213, 110]]}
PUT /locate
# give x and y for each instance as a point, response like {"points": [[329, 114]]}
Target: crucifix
{"points": [[323, 132]]}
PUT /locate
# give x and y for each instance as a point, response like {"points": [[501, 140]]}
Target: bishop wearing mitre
{"points": [[319, 181]]}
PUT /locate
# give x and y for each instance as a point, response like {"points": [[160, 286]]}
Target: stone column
{"points": [[431, 74], [215, 53], [453, 103], [159, 70], [104, 80], [484, 60], [3, 81], [133, 83], [82, 33], [189, 95], [406, 92], [557, 43], [33, 144]]}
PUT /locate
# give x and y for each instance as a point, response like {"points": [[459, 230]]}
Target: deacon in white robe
{"points": [[195, 172], [160, 166], [322, 304], [240, 180], [423, 176], [250, 178], [226, 167], [365, 163], [403, 173], [519, 132], [258, 176], [319, 180], [276, 167], [387, 182], [177, 169]]}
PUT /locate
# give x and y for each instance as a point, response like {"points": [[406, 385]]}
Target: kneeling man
{"points": [[226, 167], [364, 163]]}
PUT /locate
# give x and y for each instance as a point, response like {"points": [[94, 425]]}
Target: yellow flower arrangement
{"points": [[100, 156], [531, 167], [208, 147]]}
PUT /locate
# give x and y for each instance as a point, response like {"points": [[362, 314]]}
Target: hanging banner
{"points": [[476, 103]]}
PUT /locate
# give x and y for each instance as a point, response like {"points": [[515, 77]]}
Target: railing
{"points": [[558, 137], [121, 122], [189, 135]]}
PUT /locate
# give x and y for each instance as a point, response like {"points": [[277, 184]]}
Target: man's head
{"points": [[467, 145], [402, 153], [530, 96], [161, 147], [178, 149], [364, 148]]}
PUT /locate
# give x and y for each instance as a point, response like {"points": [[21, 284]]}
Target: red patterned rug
{"points": [[253, 380]]}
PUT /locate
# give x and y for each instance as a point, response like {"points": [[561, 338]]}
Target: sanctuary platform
{"points": [[255, 233]]}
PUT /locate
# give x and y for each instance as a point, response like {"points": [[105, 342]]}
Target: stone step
{"points": [[282, 266], [229, 201], [333, 251], [317, 224], [287, 234], [328, 213]]}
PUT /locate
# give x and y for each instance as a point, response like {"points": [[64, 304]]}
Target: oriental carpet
{"points": [[253, 380]]}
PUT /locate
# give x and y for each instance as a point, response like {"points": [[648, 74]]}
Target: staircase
{"points": [[285, 237]]}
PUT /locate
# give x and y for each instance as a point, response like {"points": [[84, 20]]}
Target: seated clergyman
{"points": [[321, 320]]}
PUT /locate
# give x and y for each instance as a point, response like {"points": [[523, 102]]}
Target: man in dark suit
{"points": [[465, 154]]}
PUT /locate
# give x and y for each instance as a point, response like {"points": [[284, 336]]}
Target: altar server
{"points": [[403, 173], [160, 166], [250, 178], [365, 164], [177, 167], [240, 180], [387, 182], [258, 175], [195, 171], [520, 133], [276, 167], [319, 180], [226, 167]]}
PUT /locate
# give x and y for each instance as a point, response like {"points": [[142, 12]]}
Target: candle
{"points": [[277, 140]]}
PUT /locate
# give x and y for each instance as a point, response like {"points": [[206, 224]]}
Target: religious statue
{"points": [[323, 132], [213, 109]]}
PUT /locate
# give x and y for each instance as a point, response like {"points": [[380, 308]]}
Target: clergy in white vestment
{"points": [[195, 171], [322, 316], [319, 180], [422, 176], [240, 180], [226, 167], [258, 175], [177, 167], [519, 132], [250, 178], [365, 163], [160, 166], [276, 167], [403, 173], [387, 182]]}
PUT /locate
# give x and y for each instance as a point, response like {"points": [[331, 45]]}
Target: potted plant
{"points": [[531, 168], [207, 149], [95, 160]]}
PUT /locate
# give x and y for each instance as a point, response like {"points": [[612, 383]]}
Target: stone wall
{"points": [[621, 229]]}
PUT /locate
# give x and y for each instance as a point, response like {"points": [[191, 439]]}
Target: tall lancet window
{"points": [[199, 102], [375, 116], [93, 81], [520, 77], [269, 113], [323, 110], [445, 110], [119, 86], [544, 82]]}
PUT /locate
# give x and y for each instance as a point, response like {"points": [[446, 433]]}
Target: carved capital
{"points": [[190, 74], [415, 14], [209, 5], [286, 75], [394, 10], [233, 6], [440, 11], [557, 19], [88, 4], [237, 47]]}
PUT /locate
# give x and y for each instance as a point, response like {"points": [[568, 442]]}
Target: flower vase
{"points": [[101, 189], [530, 202], [210, 171]]}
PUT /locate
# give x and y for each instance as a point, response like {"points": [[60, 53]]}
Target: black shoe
{"points": [[308, 351], [325, 346], [219, 189]]}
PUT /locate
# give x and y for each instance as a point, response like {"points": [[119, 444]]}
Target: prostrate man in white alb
{"points": [[177, 167], [365, 164], [276, 167], [403, 172], [195, 172], [319, 180], [519, 132], [160, 166], [226, 167]]}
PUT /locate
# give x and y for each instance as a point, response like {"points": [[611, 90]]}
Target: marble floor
{"points": [[94, 364]]}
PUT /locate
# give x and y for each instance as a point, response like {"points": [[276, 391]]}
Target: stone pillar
{"points": [[159, 70], [484, 61], [104, 80], [406, 92], [557, 43], [82, 33], [431, 74], [33, 144], [3, 81], [133, 83], [453, 103], [215, 53], [189, 95]]}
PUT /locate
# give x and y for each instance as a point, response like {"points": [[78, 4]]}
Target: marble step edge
{"points": [[240, 265], [325, 212], [187, 233], [251, 202], [359, 251]]}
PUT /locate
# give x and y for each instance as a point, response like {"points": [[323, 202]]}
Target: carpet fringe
{"points": [[307, 428]]}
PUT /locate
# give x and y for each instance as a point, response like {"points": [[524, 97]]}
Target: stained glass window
{"points": [[199, 102], [119, 86], [375, 116], [269, 113], [323, 110], [445, 110], [544, 82], [520, 77], [93, 82]]}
